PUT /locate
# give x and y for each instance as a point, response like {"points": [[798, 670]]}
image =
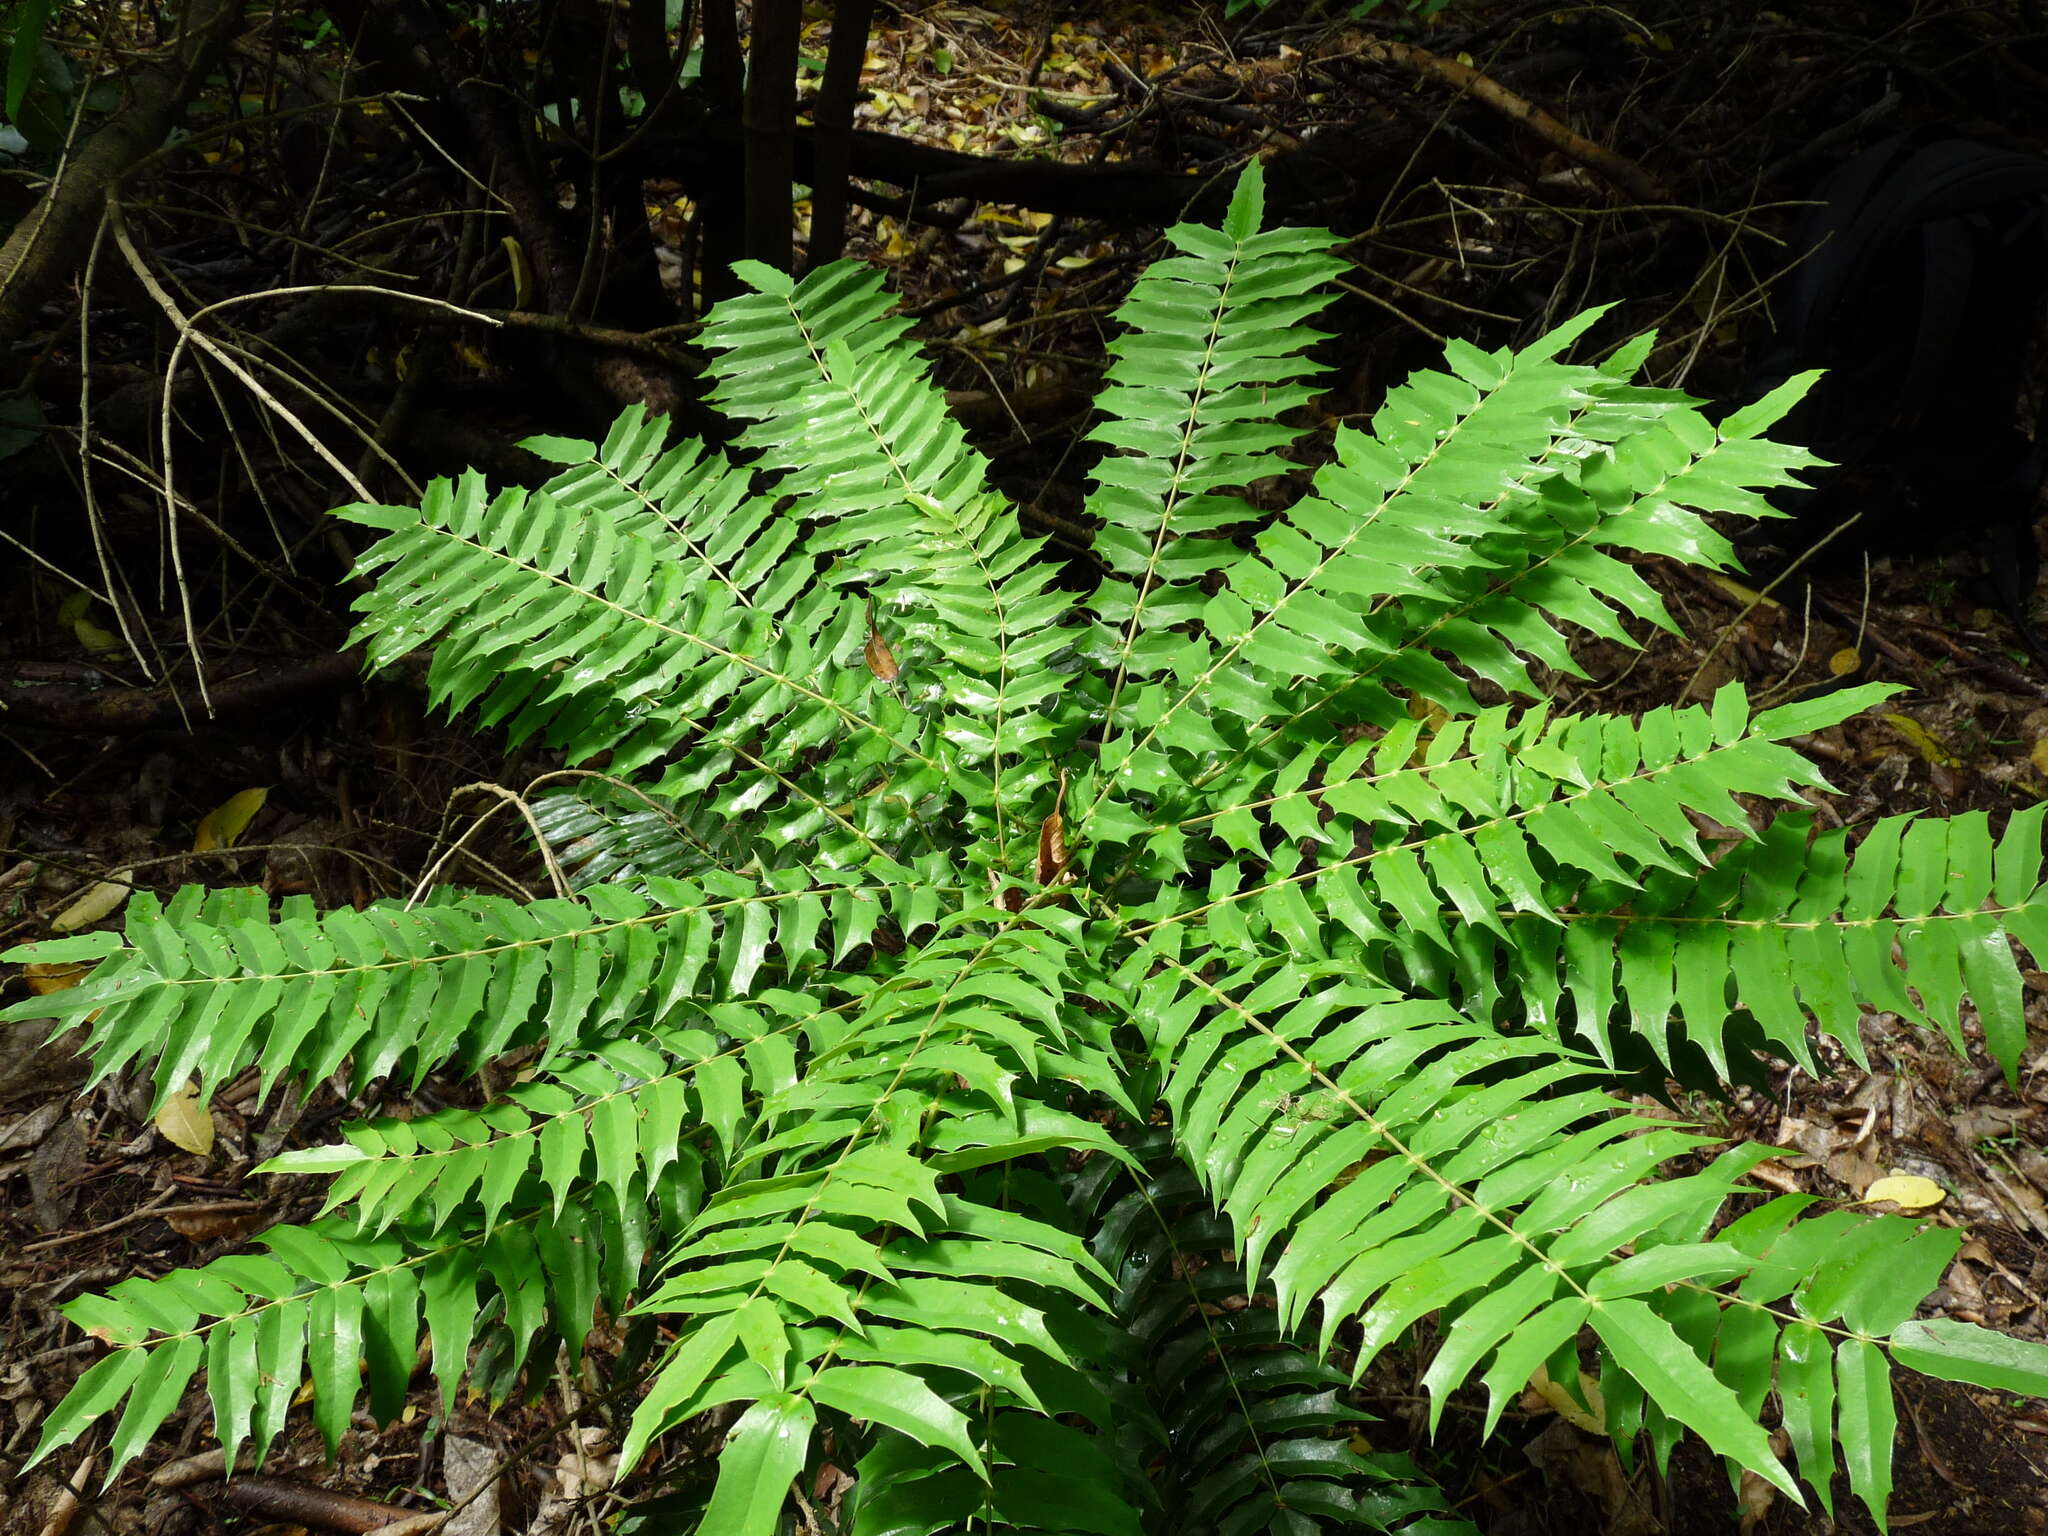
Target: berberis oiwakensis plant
{"points": [[1035, 1051]]}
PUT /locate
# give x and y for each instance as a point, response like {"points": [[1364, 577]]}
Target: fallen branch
{"points": [[64, 1508], [1616, 168], [71, 703], [283, 1498], [300, 1503]]}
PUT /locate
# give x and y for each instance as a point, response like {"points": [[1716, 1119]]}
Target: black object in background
{"points": [[1921, 295]]}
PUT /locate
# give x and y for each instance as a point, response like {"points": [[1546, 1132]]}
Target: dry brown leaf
{"points": [[1755, 1497], [101, 899], [880, 659], [44, 977], [1052, 838], [185, 1122], [212, 1226], [55, 1170]]}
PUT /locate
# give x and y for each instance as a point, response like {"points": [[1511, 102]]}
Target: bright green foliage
{"points": [[1054, 1045]]}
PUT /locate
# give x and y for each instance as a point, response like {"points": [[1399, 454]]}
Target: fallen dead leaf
{"points": [[1923, 741], [236, 1220], [31, 1128], [101, 899], [219, 827], [185, 1122], [53, 1175], [1567, 1407], [1908, 1191], [45, 977], [471, 1470]]}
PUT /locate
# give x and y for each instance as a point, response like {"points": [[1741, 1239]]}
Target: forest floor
{"points": [[360, 787]]}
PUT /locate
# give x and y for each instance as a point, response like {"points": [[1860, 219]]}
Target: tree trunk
{"points": [[833, 136], [47, 249], [718, 198], [652, 65], [770, 124]]}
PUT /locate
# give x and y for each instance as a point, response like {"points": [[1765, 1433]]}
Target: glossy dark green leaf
{"points": [[764, 1451], [1680, 1383], [1806, 1387], [334, 1357], [901, 1401], [1957, 1351], [93, 1395], [1868, 1421]]}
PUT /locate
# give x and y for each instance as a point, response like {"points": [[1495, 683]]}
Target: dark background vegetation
{"points": [[263, 258]]}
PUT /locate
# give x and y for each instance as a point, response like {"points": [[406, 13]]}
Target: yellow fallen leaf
{"points": [[101, 899], [2039, 756], [1908, 1191], [1748, 596], [219, 827], [522, 273], [93, 638], [73, 611], [1844, 661], [1923, 743], [185, 1121], [45, 977], [1566, 1406]]}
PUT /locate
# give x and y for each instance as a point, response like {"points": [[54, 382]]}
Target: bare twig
{"points": [[1606, 163]]}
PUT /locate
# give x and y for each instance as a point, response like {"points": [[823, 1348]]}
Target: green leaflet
{"points": [[763, 1453], [900, 1401], [1806, 1382], [1868, 1421], [1955, 1351], [1044, 1047], [1220, 1376], [1649, 1351]]}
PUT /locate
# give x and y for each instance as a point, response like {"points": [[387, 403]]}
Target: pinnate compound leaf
{"points": [[803, 977]]}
